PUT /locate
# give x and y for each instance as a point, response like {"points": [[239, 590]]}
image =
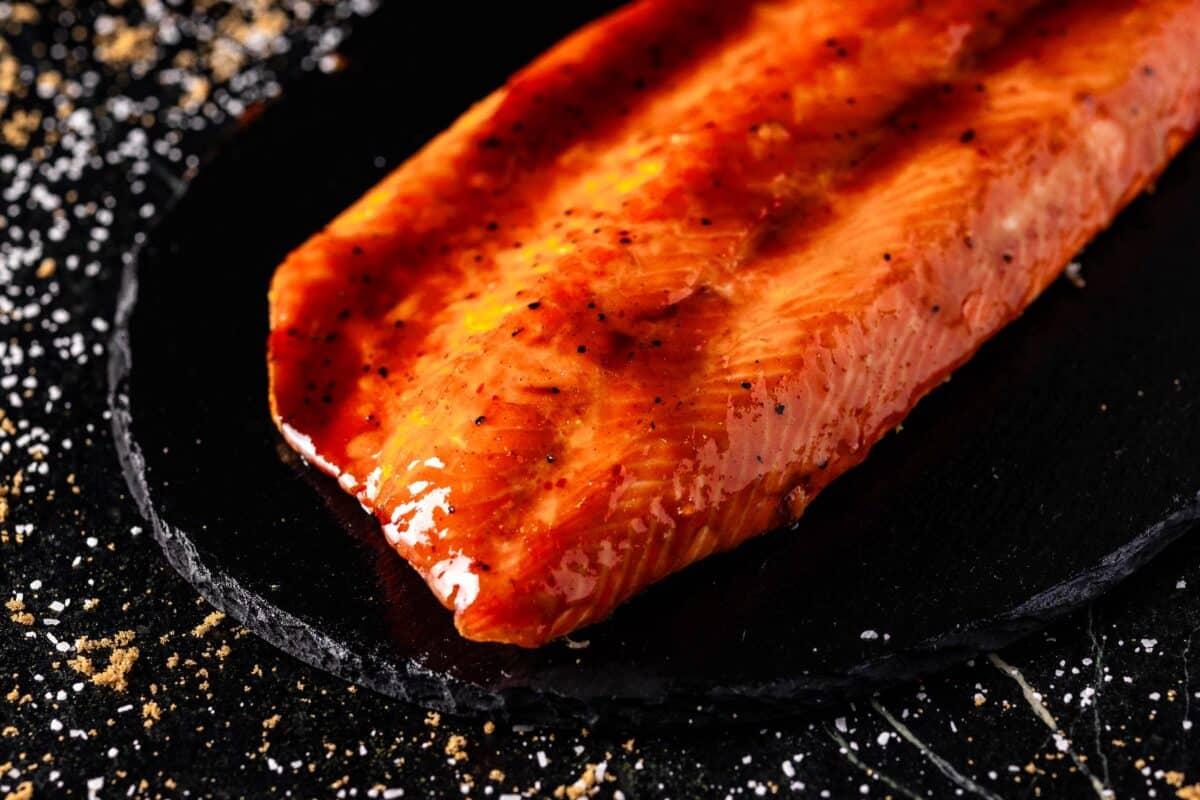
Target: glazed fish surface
{"points": [[650, 297]]}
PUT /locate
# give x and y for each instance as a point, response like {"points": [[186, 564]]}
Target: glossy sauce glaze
{"points": [[653, 295]]}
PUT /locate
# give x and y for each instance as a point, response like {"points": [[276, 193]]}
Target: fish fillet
{"points": [[650, 297]]}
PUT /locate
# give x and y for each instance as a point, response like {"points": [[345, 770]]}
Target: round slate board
{"points": [[1055, 463]]}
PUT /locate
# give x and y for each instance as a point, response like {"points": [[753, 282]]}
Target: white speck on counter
{"points": [[1074, 274]]}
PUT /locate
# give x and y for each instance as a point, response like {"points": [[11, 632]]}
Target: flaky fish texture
{"points": [[650, 297]]}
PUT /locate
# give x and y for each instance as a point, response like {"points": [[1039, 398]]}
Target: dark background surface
{"points": [[1101, 701]]}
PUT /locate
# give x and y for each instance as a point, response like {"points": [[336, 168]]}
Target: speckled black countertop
{"points": [[117, 681]]}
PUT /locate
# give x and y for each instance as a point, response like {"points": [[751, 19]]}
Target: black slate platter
{"points": [[1059, 460]]}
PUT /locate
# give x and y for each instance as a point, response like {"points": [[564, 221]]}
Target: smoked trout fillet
{"points": [[650, 297]]}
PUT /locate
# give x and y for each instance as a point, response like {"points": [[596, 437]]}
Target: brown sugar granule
{"points": [[125, 45], [151, 714], [86, 644], [46, 268], [17, 612], [270, 722], [210, 622], [23, 13], [82, 665], [20, 126], [119, 664], [120, 660], [1189, 792], [489, 727], [584, 785], [17, 608], [24, 791], [454, 747], [195, 93]]}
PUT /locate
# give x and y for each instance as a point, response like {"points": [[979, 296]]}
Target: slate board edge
{"points": [[444, 693]]}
